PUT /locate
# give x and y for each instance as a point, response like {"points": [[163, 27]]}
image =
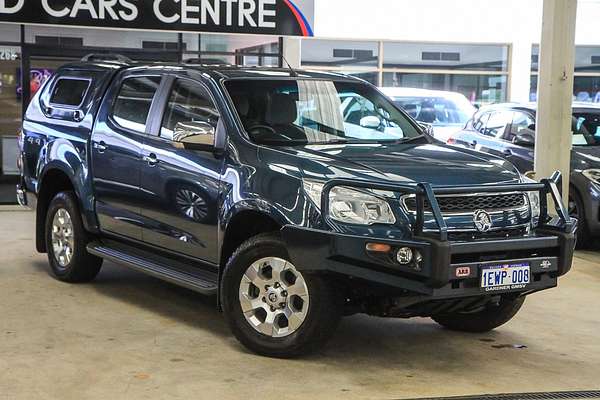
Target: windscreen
{"points": [[437, 110], [288, 112]]}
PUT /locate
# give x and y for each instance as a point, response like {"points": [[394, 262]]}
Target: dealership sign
{"points": [[276, 17]]}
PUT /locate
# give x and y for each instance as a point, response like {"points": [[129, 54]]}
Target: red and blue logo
{"points": [[302, 21]]}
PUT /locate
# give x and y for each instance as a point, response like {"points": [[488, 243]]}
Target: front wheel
{"points": [[490, 317], [271, 307]]}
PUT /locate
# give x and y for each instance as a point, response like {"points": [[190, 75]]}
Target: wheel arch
{"points": [[241, 226]]}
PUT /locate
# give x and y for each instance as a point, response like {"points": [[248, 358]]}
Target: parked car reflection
{"points": [[446, 112], [508, 131]]}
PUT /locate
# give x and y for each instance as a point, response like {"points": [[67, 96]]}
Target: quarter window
{"points": [[133, 102], [481, 122], [189, 103], [69, 92]]}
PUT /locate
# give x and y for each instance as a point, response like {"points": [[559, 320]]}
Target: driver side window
{"points": [[189, 103]]}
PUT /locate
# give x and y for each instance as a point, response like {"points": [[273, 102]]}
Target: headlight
{"points": [[352, 206], [534, 200], [592, 174]]}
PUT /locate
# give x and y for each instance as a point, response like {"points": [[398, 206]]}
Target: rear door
{"points": [[117, 151], [181, 186]]}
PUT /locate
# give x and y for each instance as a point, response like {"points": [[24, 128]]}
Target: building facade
{"points": [[485, 49]]}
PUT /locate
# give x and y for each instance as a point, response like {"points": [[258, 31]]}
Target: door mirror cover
{"points": [[370, 122], [195, 135], [525, 139]]}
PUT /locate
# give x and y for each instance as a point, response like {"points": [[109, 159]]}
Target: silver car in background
{"points": [[446, 112]]}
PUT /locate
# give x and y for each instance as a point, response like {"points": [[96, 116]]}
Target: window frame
{"points": [[161, 102], [167, 99], [149, 117], [67, 106]]}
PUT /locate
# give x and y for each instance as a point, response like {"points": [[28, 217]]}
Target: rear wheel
{"points": [[492, 316], [271, 307], [66, 241]]}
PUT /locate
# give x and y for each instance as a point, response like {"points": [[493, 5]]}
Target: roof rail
{"points": [[106, 57]]}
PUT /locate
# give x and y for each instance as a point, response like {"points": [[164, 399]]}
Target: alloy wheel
{"points": [[274, 297], [63, 237]]}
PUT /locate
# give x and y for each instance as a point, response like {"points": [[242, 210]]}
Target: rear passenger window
{"points": [[69, 92], [133, 102]]}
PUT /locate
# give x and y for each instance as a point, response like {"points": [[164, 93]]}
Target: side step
{"points": [[198, 280]]}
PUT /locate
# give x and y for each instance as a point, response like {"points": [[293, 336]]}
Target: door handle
{"points": [[474, 143], [100, 147], [151, 159], [507, 152]]}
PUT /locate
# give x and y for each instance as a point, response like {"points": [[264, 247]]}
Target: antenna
{"points": [[292, 70]]}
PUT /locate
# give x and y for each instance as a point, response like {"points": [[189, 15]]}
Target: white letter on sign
{"points": [[161, 16], [54, 13], [262, 13], [4, 9], [185, 9], [245, 13]]}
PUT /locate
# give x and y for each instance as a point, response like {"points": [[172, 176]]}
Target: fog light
{"points": [[404, 255]]}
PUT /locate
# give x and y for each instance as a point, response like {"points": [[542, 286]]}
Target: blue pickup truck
{"points": [[295, 197]]}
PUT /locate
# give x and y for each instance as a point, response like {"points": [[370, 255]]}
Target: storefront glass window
{"points": [[479, 89], [10, 119], [231, 49], [338, 53], [450, 67], [586, 86], [445, 56]]}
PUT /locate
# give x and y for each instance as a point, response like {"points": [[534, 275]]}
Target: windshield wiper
{"points": [[324, 142], [408, 140]]}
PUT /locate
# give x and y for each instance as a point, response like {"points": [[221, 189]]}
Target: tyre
{"points": [[272, 308], [576, 210], [491, 317], [66, 241]]}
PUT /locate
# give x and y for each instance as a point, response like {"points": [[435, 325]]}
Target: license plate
{"points": [[505, 277]]}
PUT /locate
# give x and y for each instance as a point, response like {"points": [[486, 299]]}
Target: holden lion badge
{"points": [[482, 220]]}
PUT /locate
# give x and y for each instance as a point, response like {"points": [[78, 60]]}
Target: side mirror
{"points": [[195, 135], [427, 128], [370, 122], [524, 139]]}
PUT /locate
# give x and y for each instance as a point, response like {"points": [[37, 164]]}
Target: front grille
{"points": [[465, 236], [457, 204]]}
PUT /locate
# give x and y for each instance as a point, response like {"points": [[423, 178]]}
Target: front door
{"points": [[117, 153], [181, 187]]}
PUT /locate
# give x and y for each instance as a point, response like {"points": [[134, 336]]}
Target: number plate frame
{"points": [[504, 277]]}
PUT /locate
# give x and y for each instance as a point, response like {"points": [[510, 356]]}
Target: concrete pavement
{"points": [[129, 336]]}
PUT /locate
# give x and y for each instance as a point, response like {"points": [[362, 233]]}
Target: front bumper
{"points": [[549, 254], [548, 249]]}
